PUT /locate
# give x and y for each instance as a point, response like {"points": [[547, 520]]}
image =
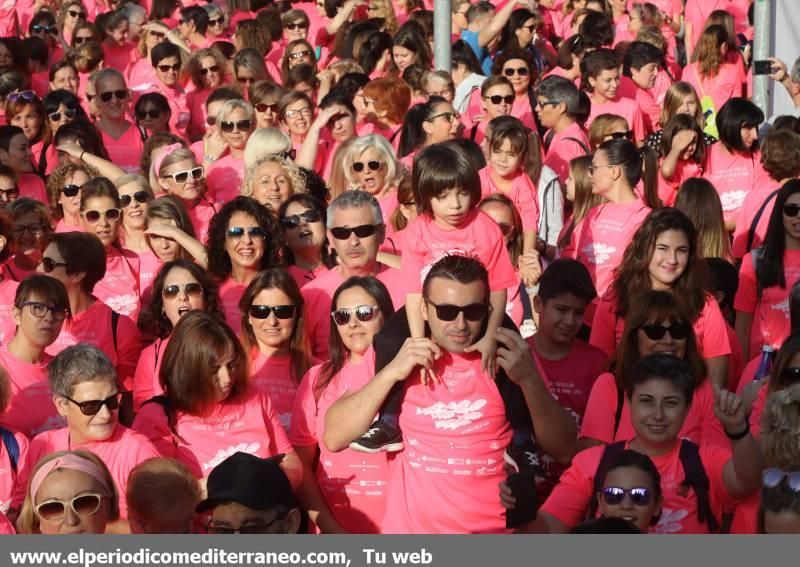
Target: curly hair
{"points": [[781, 428], [195, 68], [219, 263], [296, 177], [56, 182]]}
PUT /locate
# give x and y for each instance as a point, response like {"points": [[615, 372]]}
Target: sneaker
{"points": [[524, 457], [380, 437]]}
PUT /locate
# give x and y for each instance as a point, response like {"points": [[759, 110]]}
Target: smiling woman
{"points": [[272, 180]]}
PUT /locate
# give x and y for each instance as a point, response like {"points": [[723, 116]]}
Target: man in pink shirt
{"points": [[356, 229], [558, 106], [456, 427]]}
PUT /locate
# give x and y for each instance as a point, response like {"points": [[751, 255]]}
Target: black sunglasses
{"points": [[280, 311], [622, 135], [678, 331], [362, 231], [472, 312], [296, 26], [206, 70], [69, 114], [167, 68], [497, 99], [121, 94], [791, 375], [240, 125], [216, 22], [791, 210], [74, 14], [92, 407], [614, 495], [309, 216], [521, 71], [363, 313], [192, 289], [263, 107], [81, 39], [48, 264], [71, 190], [255, 232], [373, 164], [145, 114], [139, 197], [44, 29]]}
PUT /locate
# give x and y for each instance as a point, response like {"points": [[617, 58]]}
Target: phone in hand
{"points": [[762, 67], [523, 488]]}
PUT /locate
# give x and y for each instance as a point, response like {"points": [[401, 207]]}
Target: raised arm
{"points": [[103, 166], [500, 19]]}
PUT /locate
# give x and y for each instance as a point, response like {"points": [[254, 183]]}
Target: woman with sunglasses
{"points": [[206, 68], [217, 24], [297, 52], [80, 499], [69, 15], [307, 254], [264, 96], [153, 113], [25, 110], [631, 490], [101, 212], [181, 286], [359, 308], [431, 122], [142, 71], [205, 378], [64, 187], [518, 67], [166, 60], [61, 107], [272, 180], [170, 233], [249, 68], [123, 139], [236, 121], [369, 165]]}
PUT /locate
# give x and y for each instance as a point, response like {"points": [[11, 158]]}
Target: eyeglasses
{"points": [[84, 505], [196, 173], [109, 214], [44, 29], [263, 107], [543, 103], [121, 94], [145, 114], [9, 194], [206, 70], [363, 313], [443, 94], [521, 71], [140, 197], [773, 477], [309, 216], [192, 289], [497, 99], [247, 529], [93, 407], [69, 114], [81, 39], [216, 22], [289, 154], [362, 231], [34, 229], [472, 312], [238, 125], [71, 190], [628, 135], [373, 165], [246, 80], [791, 210], [296, 113], [280, 311], [657, 332], [79, 15], [790, 375], [158, 34], [27, 96], [48, 265], [297, 55], [254, 232], [594, 166], [614, 495], [367, 100], [39, 310], [300, 26], [167, 68], [449, 116]]}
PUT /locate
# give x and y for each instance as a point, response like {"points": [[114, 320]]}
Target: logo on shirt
{"points": [[452, 416], [598, 253], [670, 521], [782, 306], [123, 304], [732, 200], [223, 454]]}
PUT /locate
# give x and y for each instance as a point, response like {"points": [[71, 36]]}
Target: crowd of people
{"points": [[266, 270]]}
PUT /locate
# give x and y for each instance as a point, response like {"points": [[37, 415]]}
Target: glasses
{"points": [[297, 55], [93, 407], [81, 39], [111, 215], [121, 94], [791, 210], [774, 477], [79, 15], [790, 375], [289, 154], [308, 216], [39, 310], [145, 114], [246, 80], [472, 312], [9, 194], [628, 135], [263, 107], [69, 114], [254, 232], [48, 265], [531, 28], [34, 229], [497, 99], [44, 29], [71, 190], [614, 495], [216, 22], [373, 165], [90, 97], [449, 116], [280, 311], [543, 103], [247, 529], [140, 197], [363, 313], [83, 505], [158, 34], [238, 125], [298, 26], [297, 113], [521, 71], [362, 231], [594, 166], [27, 96], [206, 70], [196, 173], [657, 332], [167, 68], [192, 289]]}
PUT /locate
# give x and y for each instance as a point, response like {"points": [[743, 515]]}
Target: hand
{"points": [[156, 27], [683, 139], [414, 352], [326, 114], [213, 143], [487, 346], [514, 356], [530, 267], [780, 72], [72, 149], [326, 76], [729, 409], [164, 231], [750, 392]]}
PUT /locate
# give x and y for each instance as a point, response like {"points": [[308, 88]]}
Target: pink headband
{"points": [[162, 155], [72, 462]]}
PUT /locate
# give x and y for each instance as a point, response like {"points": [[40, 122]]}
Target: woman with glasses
{"points": [[64, 187], [31, 225], [236, 121], [166, 60], [359, 308], [607, 127], [43, 26], [206, 68], [518, 67], [142, 71], [307, 254], [180, 287], [243, 239], [630, 488], [135, 194], [25, 110], [61, 107], [123, 139], [264, 96], [431, 122], [69, 15], [272, 180], [217, 24], [369, 165], [71, 492], [298, 52], [249, 68], [153, 113], [334, 126]]}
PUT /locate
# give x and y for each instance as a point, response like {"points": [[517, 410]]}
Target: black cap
{"points": [[259, 484]]}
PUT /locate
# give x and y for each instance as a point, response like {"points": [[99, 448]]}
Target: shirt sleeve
{"points": [[637, 123], [747, 293], [143, 378], [303, 430], [526, 203], [598, 420], [151, 421], [412, 259], [604, 326], [129, 348], [714, 459], [714, 333], [569, 501]]}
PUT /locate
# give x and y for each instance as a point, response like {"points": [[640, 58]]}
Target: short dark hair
{"points": [[197, 15], [639, 54], [566, 276], [724, 278], [660, 366], [49, 289], [732, 117], [457, 268], [164, 50], [223, 94], [83, 253], [7, 133], [440, 167], [596, 62], [99, 187]]}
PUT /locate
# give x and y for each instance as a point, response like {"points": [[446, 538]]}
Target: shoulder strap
{"points": [[751, 234], [583, 146], [114, 325], [618, 412], [697, 479], [608, 453], [548, 140], [473, 132], [11, 445]]}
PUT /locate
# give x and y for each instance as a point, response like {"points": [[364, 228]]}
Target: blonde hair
{"points": [[376, 142], [673, 99], [601, 126], [170, 160], [129, 178], [780, 428], [296, 177], [161, 492], [337, 182], [265, 142]]}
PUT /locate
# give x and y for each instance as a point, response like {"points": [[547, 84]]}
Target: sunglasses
{"points": [[71, 190], [79, 15], [192, 289], [48, 265], [120, 94], [27, 96], [296, 26], [281, 311], [363, 313], [790, 375], [449, 116], [81, 39], [109, 214], [791, 210], [140, 197], [158, 34], [167, 68], [614, 495], [44, 29], [657, 332], [206, 70], [472, 312], [216, 22], [9, 194], [92, 407], [263, 107], [39, 310], [308, 216], [83, 505], [183, 176], [69, 114], [362, 231], [145, 114], [255, 232], [773, 477], [622, 135], [373, 164], [297, 55], [239, 125], [521, 71], [497, 99], [289, 154]]}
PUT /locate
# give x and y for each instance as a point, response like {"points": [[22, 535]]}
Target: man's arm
{"points": [[499, 21]]}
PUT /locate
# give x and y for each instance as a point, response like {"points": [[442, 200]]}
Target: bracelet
{"points": [[740, 435], [209, 158], [81, 158]]}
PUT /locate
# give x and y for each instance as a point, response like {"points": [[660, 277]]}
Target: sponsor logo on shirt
{"points": [[782, 306], [732, 200], [598, 253], [124, 304], [223, 454], [670, 521], [453, 415], [52, 422]]}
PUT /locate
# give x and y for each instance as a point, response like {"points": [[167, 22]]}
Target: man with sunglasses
{"points": [[559, 104], [356, 229], [86, 394], [457, 427]]}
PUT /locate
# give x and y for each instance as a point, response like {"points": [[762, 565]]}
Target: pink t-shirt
{"points": [[145, 379], [668, 188], [62, 226], [734, 175], [522, 193], [302, 277], [201, 215], [569, 501], [196, 101], [8, 290], [249, 426], [747, 214], [771, 311], [625, 107], [119, 57], [119, 288], [31, 185], [149, 265], [141, 73], [273, 376], [353, 484], [9, 479], [645, 98], [30, 410], [230, 293], [445, 480], [179, 109], [722, 87], [224, 179], [126, 151], [561, 150], [698, 11], [522, 109]]}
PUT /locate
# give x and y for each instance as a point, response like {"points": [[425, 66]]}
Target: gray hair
{"points": [[796, 72], [559, 89], [76, 364], [265, 142], [132, 10], [355, 200], [379, 144]]}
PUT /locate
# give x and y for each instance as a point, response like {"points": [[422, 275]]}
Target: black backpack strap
{"points": [[697, 479], [473, 132], [583, 146], [751, 234], [11, 445], [608, 453], [114, 325], [618, 412]]}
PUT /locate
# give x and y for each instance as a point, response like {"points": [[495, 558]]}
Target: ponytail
{"points": [[650, 169]]}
